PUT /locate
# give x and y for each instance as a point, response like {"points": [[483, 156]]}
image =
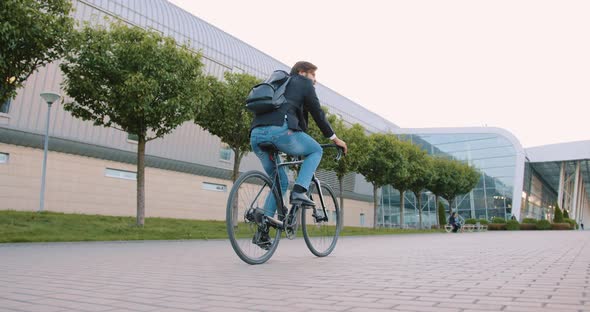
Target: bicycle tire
{"points": [[313, 231], [234, 212]]}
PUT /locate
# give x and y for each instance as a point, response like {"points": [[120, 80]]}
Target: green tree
{"points": [[33, 33], [558, 216], [382, 158], [423, 173], [566, 215], [460, 178], [135, 80], [225, 114]]}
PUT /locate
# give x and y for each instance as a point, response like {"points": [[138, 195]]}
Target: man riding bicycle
{"points": [[285, 128]]}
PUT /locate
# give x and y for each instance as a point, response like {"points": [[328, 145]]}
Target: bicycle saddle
{"points": [[268, 147]]}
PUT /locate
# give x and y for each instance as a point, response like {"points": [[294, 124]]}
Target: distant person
{"points": [[513, 217], [454, 222], [582, 226]]}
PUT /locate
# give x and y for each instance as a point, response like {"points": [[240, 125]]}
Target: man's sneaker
{"points": [[262, 239], [301, 198]]}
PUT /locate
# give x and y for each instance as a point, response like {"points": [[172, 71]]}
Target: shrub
{"points": [[529, 221], [571, 222], [528, 226], [543, 225], [442, 219], [470, 221], [512, 225], [558, 217], [566, 215], [497, 227], [483, 221], [498, 220], [561, 226]]}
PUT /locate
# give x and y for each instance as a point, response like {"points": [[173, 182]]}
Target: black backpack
{"points": [[269, 95]]}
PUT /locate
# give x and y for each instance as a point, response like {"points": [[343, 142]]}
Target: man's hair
{"points": [[302, 66]]}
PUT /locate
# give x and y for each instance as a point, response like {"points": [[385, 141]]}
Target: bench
{"points": [[468, 228]]}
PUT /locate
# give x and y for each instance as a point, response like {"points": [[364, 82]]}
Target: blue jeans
{"points": [[295, 143]]}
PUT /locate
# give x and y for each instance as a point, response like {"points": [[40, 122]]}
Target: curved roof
{"points": [[221, 48], [453, 130], [578, 150]]}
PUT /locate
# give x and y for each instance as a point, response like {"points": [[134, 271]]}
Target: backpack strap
{"points": [[281, 90]]}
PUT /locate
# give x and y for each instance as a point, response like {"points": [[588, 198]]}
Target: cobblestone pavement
{"points": [[494, 271]]}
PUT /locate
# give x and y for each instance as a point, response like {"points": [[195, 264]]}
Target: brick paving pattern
{"points": [[494, 271]]}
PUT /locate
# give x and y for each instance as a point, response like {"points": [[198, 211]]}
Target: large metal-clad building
{"points": [[90, 169]]}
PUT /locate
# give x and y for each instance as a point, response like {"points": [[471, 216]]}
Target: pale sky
{"points": [[520, 65]]}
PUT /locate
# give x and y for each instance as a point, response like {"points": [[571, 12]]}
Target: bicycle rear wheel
{"points": [[321, 235], [245, 216]]}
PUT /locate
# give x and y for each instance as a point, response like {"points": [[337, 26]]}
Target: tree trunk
{"points": [[436, 210], [419, 197], [401, 209], [341, 182], [237, 161], [450, 206], [374, 206], [235, 174], [141, 180]]}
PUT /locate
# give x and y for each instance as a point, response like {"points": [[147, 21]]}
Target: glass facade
{"points": [[492, 154], [538, 196]]}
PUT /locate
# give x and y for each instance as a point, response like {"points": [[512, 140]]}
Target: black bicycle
{"points": [[255, 235]]}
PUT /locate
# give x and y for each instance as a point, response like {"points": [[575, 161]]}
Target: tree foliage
{"points": [[566, 215], [138, 81], [225, 114], [33, 33], [558, 215], [452, 178], [383, 157]]}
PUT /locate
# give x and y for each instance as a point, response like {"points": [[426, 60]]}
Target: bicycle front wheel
{"points": [[320, 234], [245, 217]]}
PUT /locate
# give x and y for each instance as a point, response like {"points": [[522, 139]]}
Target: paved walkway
{"points": [[494, 271]]}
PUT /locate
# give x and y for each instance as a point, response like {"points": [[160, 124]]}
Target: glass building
{"points": [[494, 152]]}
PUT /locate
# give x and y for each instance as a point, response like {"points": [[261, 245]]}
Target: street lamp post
{"points": [[49, 98]]}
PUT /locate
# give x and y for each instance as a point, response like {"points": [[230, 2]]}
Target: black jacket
{"points": [[301, 99]]}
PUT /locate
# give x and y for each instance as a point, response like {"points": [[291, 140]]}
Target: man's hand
{"points": [[341, 143]]}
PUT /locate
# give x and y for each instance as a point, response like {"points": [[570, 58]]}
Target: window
{"points": [[225, 152], [120, 174], [5, 107], [132, 138], [214, 187], [3, 158], [362, 219]]}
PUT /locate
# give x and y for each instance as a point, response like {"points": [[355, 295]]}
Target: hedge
{"points": [[543, 225], [498, 220], [512, 225]]}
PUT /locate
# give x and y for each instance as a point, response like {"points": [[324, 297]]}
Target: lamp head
{"points": [[50, 97]]}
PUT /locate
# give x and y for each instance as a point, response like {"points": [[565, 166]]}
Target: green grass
{"points": [[20, 226]]}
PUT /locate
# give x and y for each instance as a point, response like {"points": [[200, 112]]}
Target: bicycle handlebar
{"points": [[331, 145]]}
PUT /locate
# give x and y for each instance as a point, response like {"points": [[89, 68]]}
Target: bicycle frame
{"points": [[275, 158], [277, 183]]}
